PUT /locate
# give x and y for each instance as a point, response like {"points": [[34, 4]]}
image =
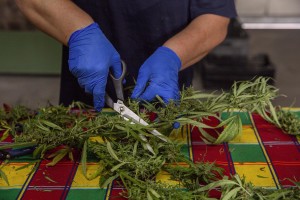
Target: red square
{"points": [[45, 194], [283, 153], [115, 194], [269, 132], [287, 171]]}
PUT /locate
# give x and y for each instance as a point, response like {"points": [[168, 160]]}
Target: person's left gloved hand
{"points": [[160, 70]]}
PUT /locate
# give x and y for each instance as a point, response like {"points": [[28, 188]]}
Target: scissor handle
{"points": [[118, 82]]}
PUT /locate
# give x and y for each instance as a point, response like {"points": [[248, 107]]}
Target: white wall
{"points": [[268, 8]]}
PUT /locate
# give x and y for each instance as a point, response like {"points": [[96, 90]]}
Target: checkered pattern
{"points": [[262, 153]]}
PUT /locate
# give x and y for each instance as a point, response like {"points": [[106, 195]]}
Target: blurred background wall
{"points": [[30, 60], [11, 18], [268, 8]]}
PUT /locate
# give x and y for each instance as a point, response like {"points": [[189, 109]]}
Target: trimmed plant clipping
{"points": [[129, 154]]}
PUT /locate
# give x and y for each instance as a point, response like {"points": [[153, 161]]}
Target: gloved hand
{"points": [[160, 70], [91, 56]]}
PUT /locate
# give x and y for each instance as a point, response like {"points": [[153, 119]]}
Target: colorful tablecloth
{"points": [[262, 153]]}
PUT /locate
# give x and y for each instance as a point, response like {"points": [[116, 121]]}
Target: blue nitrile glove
{"points": [[91, 56], [176, 125], [160, 70]]}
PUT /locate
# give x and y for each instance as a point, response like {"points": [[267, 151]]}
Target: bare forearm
{"points": [[58, 18], [198, 38]]}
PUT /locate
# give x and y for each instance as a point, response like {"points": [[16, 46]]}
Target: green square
{"points": [[9, 194], [297, 113], [185, 150], [243, 115], [246, 153], [88, 193]]}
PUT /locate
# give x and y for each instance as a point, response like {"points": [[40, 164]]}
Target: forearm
{"points": [[58, 18], [198, 38]]}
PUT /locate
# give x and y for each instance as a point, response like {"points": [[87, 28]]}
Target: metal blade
{"points": [[126, 113]]}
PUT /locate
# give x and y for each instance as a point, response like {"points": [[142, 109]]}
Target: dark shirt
{"points": [[136, 28]]}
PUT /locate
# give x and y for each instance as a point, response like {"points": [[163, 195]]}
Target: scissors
{"points": [[121, 108], [13, 153]]}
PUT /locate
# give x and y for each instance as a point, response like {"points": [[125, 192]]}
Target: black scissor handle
{"points": [[118, 82], [3, 155], [13, 153]]}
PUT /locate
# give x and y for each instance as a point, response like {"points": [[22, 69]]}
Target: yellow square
{"points": [[294, 109], [165, 177], [82, 182], [108, 110], [180, 136], [16, 178], [247, 136], [257, 173], [96, 139]]}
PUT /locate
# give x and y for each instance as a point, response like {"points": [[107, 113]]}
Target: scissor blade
{"points": [[129, 114]]}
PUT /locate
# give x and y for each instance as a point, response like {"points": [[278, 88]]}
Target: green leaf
{"points": [[135, 148], [18, 145], [148, 147], [25, 166], [37, 152], [154, 193], [226, 121], [200, 96], [259, 176], [45, 149], [84, 158], [200, 115], [294, 182], [233, 129], [50, 124], [160, 100], [108, 181], [40, 126], [274, 114], [97, 173], [117, 166], [5, 135], [49, 179], [149, 197], [231, 194], [71, 157], [237, 178], [216, 184], [210, 139], [206, 141], [111, 151], [183, 121], [58, 157], [4, 177], [56, 153], [243, 86]]}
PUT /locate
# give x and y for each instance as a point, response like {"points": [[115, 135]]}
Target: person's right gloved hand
{"points": [[91, 55]]}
